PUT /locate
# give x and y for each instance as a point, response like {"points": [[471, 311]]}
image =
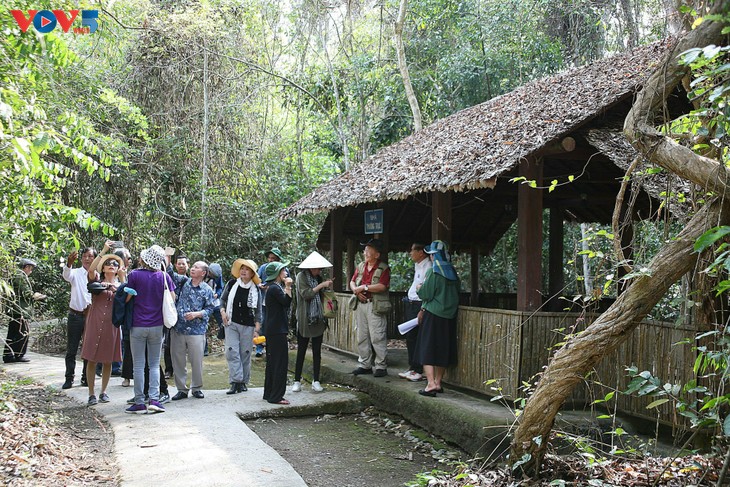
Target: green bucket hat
{"points": [[273, 269], [276, 252]]}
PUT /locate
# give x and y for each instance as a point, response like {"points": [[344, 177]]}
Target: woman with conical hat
{"points": [[241, 313], [311, 323]]}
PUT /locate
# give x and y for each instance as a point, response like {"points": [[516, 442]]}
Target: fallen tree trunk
{"points": [[582, 353]]}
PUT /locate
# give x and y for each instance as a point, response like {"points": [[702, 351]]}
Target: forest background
{"points": [[192, 123]]}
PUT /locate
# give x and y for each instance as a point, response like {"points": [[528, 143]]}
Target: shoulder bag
{"points": [[169, 312]]}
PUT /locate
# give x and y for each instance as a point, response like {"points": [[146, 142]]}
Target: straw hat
{"points": [[315, 260], [107, 257], [236, 269]]}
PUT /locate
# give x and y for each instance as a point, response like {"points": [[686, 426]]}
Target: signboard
{"points": [[373, 221]]}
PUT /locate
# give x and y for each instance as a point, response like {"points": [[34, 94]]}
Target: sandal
{"points": [[283, 402]]}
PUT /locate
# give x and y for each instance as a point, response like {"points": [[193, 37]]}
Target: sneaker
{"points": [[361, 371], [415, 377], [296, 387], [380, 373], [84, 383], [405, 374], [131, 401], [155, 406], [164, 398], [136, 409], [103, 397], [317, 387], [92, 401], [67, 384], [125, 383]]}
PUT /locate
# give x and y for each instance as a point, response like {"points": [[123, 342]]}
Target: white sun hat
{"points": [[315, 261]]}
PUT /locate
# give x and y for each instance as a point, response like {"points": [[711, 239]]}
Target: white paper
{"points": [[404, 328]]}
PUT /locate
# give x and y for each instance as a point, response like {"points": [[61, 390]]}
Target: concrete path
{"points": [[195, 441]]}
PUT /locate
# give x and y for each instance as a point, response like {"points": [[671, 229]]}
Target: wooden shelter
{"points": [[454, 180]]}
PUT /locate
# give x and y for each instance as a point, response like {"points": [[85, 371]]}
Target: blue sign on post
{"points": [[373, 221]]}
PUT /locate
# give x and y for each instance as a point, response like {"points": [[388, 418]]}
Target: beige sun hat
{"points": [[106, 258], [236, 269], [315, 260]]}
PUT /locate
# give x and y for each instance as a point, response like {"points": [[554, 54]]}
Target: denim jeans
{"points": [[151, 339]]}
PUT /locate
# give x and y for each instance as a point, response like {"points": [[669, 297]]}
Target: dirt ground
{"points": [[369, 449], [48, 439]]}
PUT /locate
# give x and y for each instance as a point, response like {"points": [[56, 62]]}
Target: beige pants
{"points": [[372, 336]]}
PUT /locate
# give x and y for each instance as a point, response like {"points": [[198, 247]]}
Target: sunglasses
{"points": [[111, 263]]}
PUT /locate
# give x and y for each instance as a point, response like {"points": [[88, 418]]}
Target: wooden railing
{"points": [[513, 346]]}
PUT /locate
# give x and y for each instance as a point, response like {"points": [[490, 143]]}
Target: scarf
{"points": [[442, 265], [314, 305], [253, 296]]}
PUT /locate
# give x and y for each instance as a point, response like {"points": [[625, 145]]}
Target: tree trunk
{"points": [[580, 354], [401, 52]]}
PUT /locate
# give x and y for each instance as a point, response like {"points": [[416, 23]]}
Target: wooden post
{"points": [[529, 237], [336, 245], [441, 217], [474, 297], [556, 281], [351, 251]]}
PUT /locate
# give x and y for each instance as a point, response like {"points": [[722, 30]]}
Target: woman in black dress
{"points": [[276, 323]]}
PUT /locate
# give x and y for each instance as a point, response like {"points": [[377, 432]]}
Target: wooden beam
{"points": [[474, 297], [441, 217], [336, 247], [560, 147], [556, 281], [529, 237]]}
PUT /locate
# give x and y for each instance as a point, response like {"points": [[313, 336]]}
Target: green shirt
{"points": [[440, 296], [23, 301]]}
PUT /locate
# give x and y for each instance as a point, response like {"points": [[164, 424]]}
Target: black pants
{"points": [[16, 344], [166, 348], [277, 363], [127, 371], [74, 334], [411, 311], [302, 343]]}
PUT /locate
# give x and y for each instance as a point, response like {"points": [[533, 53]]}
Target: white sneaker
{"points": [[405, 374], [317, 387], [296, 387], [415, 377]]}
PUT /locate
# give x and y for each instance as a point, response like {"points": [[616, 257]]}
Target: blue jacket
{"points": [[122, 310]]}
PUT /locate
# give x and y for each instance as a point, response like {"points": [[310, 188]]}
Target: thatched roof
{"points": [[470, 148]]}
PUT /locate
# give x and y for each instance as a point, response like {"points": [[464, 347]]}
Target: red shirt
{"points": [[367, 277]]}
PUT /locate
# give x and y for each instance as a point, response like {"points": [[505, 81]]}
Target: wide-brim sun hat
{"points": [[153, 257], [273, 269], [436, 246], [24, 262], [236, 269], [315, 260], [107, 257]]}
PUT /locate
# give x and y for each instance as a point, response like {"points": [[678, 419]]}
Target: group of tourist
{"points": [[117, 315], [432, 299]]}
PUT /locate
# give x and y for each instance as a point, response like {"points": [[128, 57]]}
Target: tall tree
{"points": [[581, 353]]}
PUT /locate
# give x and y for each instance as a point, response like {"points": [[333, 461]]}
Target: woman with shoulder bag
{"points": [[102, 341], [311, 323]]}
